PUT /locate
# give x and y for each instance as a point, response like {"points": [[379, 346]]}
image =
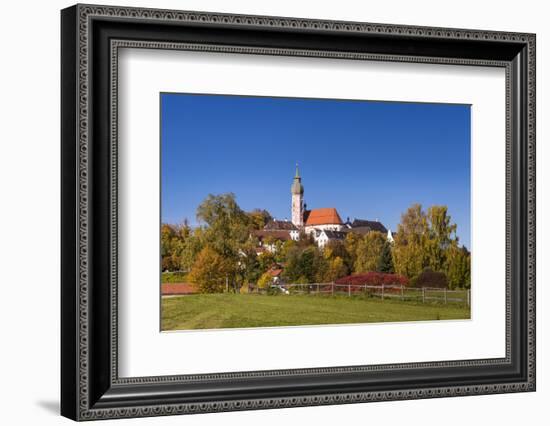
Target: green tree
{"points": [[306, 264], [211, 271], [249, 267], [227, 225], [282, 255], [303, 265], [227, 231], [385, 261]]}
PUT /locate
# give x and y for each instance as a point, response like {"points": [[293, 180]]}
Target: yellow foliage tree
{"points": [[336, 269], [210, 271], [368, 252], [265, 280]]}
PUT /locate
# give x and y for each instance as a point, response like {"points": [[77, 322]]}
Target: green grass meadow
{"points": [[213, 311]]}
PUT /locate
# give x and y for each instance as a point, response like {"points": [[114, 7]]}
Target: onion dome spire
{"points": [[297, 187]]}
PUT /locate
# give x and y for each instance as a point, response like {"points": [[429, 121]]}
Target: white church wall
{"points": [[325, 227]]}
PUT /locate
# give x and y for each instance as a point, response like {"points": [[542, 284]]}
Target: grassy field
{"points": [[208, 311]]}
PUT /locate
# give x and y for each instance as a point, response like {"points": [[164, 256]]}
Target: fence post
{"points": [[468, 297], [349, 290], [332, 288], [382, 291], [423, 295], [402, 295], [445, 294], [318, 289]]}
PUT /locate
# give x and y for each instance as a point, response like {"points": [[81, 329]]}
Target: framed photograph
{"points": [[263, 212]]}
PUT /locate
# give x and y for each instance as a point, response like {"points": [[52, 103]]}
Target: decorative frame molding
{"points": [[91, 37]]}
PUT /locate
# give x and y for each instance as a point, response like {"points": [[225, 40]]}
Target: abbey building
{"points": [[323, 224]]}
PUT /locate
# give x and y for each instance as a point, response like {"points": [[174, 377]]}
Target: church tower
{"points": [[297, 191]]}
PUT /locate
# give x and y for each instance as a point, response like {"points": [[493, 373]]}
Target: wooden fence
{"points": [[423, 294]]}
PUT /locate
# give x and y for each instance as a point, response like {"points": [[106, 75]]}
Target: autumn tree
{"points": [[173, 241], [440, 236], [412, 227], [167, 246], [211, 271], [428, 240], [305, 240], [408, 250], [368, 251], [336, 268], [266, 260], [265, 280], [258, 218], [407, 258], [458, 267], [190, 248], [334, 249]]}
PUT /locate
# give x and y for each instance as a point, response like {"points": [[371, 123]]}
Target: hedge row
{"points": [[173, 277], [373, 278]]}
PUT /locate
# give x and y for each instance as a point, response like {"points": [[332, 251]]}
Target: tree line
{"points": [[221, 253]]}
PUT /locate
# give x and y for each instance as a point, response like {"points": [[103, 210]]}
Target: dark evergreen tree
{"points": [[385, 261]]}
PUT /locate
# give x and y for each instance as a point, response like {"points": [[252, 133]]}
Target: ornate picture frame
{"points": [[91, 37]]}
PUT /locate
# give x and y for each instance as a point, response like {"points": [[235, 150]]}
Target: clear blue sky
{"points": [[370, 160]]}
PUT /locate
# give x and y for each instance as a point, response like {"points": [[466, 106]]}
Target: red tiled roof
{"points": [[178, 288], [326, 216], [275, 272]]}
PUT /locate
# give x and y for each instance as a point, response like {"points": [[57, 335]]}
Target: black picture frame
{"points": [[90, 386]]}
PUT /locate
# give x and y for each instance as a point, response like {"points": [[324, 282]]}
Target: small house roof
{"points": [[278, 235], [280, 225], [335, 235], [372, 225], [275, 272]]}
